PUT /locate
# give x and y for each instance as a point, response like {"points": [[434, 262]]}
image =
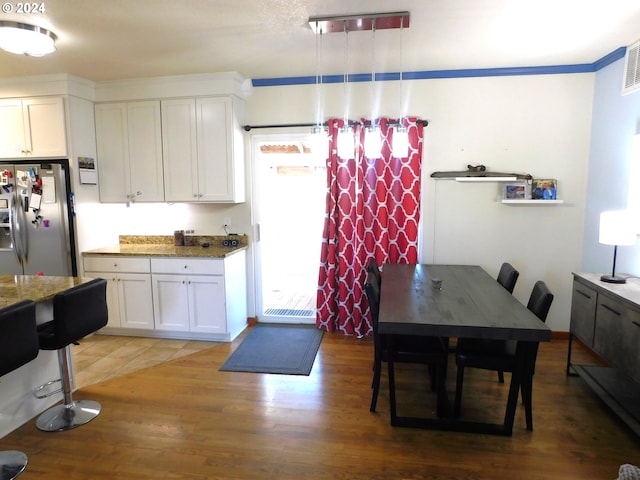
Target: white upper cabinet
{"points": [[33, 128], [180, 150], [203, 150], [129, 145]]}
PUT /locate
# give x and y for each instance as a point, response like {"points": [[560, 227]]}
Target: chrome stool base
{"points": [[66, 417], [12, 464]]}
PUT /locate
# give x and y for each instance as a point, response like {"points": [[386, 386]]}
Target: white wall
{"points": [[616, 119], [530, 124]]}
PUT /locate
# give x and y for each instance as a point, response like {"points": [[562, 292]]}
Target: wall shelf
{"points": [[532, 202], [485, 179]]}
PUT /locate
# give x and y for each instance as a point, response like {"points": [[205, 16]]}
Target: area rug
{"points": [[276, 348]]}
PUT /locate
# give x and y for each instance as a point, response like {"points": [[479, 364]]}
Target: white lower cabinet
{"points": [[194, 303], [203, 298], [190, 298], [129, 296]]}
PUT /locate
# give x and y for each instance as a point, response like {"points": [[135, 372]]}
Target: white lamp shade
{"points": [[400, 145], [25, 39], [372, 143], [320, 143], [346, 143], [617, 228]]}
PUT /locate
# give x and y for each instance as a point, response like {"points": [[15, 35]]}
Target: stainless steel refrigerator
{"points": [[36, 219]]}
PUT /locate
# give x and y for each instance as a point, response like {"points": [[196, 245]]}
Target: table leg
{"points": [[392, 380]]}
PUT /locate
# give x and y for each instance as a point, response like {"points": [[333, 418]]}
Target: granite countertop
{"points": [[15, 288], [163, 246]]}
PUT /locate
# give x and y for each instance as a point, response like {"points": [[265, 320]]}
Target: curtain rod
{"points": [[248, 128]]}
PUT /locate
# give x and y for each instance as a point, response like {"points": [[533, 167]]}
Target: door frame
{"points": [[296, 135]]}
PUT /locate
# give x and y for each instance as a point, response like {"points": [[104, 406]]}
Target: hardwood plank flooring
{"points": [[184, 419]]}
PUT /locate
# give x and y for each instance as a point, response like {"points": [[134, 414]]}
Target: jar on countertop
{"points": [[189, 238], [178, 238]]}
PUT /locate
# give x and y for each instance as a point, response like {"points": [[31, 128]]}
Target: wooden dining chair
{"points": [[432, 351], [500, 355]]}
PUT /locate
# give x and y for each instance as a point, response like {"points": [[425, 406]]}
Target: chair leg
{"points": [[377, 367], [500, 376], [71, 413], [458, 400], [12, 464]]}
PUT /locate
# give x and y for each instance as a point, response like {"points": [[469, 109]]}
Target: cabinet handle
{"points": [[610, 309], [185, 266], [583, 294], [637, 324]]}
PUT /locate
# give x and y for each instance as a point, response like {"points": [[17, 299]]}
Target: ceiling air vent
{"points": [[632, 69]]}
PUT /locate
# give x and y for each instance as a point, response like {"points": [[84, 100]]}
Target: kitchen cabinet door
{"points": [[145, 151], [171, 302], [129, 144], [136, 301], [207, 307], [44, 127], [32, 127], [11, 129], [113, 152], [220, 154], [113, 303], [179, 150]]}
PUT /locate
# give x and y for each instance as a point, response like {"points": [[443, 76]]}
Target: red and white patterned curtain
{"points": [[373, 210]]}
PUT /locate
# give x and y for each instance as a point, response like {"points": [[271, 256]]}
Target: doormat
{"points": [[276, 348]]}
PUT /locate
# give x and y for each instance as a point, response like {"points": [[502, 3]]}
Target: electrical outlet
{"points": [[227, 221]]}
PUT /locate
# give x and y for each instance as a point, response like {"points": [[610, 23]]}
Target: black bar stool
{"points": [[77, 312], [18, 346]]}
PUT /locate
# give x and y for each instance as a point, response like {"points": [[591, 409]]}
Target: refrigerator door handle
{"points": [[22, 230], [13, 227]]}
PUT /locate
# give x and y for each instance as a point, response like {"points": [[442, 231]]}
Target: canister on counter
{"points": [[189, 238], [178, 237]]}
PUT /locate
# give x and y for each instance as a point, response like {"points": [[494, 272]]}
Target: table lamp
{"points": [[616, 228]]}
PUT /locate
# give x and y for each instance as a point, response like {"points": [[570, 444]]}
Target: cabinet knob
{"points": [[185, 266]]}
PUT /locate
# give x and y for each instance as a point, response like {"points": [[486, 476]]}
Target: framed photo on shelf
{"points": [[516, 191], [544, 189]]}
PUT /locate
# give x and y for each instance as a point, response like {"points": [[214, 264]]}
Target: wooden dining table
{"points": [[469, 304]]}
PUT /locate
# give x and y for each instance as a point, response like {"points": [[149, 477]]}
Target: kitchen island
{"points": [[17, 402], [158, 289]]}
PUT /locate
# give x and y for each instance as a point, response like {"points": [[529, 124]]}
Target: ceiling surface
{"points": [[104, 40]]}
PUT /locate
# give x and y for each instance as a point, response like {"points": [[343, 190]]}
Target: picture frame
{"points": [[516, 191], [544, 189]]}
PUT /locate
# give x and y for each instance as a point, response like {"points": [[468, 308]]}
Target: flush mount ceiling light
{"points": [[26, 39]]}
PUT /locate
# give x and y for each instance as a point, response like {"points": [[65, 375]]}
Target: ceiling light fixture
{"points": [[346, 139], [354, 23], [319, 131], [26, 39], [372, 134], [400, 140]]}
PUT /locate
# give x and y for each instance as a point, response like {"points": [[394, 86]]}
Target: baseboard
{"points": [[559, 335]]}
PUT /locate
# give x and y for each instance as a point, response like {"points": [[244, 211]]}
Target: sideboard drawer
{"points": [[583, 312]]}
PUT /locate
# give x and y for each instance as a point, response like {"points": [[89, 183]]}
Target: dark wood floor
{"points": [[187, 420]]}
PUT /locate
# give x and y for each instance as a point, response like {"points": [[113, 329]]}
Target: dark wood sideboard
{"points": [[606, 318]]}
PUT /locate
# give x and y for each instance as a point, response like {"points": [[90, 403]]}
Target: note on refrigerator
{"points": [[48, 189]]}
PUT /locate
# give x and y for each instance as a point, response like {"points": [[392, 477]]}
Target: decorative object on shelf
{"points": [[480, 171], [616, 228], [516, 191], [544, 189]]}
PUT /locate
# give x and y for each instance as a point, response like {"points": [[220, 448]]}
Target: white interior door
{"points": [[290, 193]]}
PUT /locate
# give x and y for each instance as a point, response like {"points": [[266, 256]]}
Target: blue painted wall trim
{"points": [[463, 73]]}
